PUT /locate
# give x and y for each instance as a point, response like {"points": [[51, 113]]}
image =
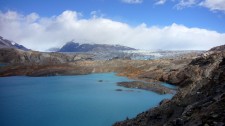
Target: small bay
{"points": [[82, 100]]}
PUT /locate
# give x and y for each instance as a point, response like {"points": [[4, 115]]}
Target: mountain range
{"points": [[77, 47], [4, 43]]}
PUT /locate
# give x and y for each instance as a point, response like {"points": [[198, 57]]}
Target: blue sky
{"points": [[202, 14], [146, 12]]}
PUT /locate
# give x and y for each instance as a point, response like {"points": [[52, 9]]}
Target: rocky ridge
{"points": [[4, 43], [16, 56]]}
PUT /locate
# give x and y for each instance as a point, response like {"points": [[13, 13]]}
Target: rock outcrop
{"points": [[155, 87]]}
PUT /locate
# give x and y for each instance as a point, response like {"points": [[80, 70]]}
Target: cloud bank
{"points": [[132, 1], [42, 33], [185, 3], [160, 2], [214, 5]]}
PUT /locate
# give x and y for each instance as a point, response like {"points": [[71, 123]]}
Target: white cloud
{"points": [[185, 3], [132, 1], [160, 2], [214, 5], [97, 14], [41, 33]]}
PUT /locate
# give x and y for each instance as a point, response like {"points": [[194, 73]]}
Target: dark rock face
{"points": [[70, 47], [76, 47], [4, 43]]}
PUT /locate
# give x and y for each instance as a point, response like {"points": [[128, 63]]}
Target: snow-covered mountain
{"points": [[4, 43], [76, 47]]}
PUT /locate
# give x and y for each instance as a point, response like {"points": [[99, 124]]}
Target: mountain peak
{"points": [[4, 43], [77, 47]]}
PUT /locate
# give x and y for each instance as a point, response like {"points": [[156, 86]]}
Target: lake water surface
{"points": [[70, 100], [3, 64]]}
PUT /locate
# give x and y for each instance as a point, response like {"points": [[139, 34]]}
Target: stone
{"points": [[119, 90], [206, 124], [100, 80]]}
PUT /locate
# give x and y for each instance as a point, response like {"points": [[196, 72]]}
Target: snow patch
{"points": [[13, 43]]}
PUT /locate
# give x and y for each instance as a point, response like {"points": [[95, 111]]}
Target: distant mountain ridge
{"points": [[4, 43], [77, 47]]}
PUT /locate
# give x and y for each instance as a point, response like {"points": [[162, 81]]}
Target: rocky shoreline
{"points": [[155, 87], [200, 99]]}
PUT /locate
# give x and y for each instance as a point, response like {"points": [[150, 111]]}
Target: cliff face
{"points": [[200, 99]]}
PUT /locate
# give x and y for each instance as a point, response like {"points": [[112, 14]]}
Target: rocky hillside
{"points": [[71, 63], [17, 57], [218, 48], [4, 43], [76, 47], [200, 100]]}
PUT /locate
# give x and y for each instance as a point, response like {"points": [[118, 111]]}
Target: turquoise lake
{"points": [[2, 65], [81, 100]]}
